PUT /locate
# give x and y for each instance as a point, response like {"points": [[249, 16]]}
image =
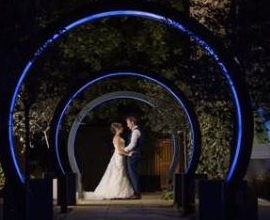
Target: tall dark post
{"points": [[63, 188]]}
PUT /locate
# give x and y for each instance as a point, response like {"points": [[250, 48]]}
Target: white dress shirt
{"points": [[135, 135]]}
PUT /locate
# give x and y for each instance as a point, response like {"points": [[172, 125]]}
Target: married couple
{"points": [[121, 178]]}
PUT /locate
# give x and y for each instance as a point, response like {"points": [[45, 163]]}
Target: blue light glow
{"points": [[97, 102], [128, 74], [135, 13], [10, 134]]}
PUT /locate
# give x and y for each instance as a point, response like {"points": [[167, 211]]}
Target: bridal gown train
{"points": [[115, 182]]}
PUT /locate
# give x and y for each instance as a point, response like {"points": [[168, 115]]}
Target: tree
{"points": [[134, 42]]}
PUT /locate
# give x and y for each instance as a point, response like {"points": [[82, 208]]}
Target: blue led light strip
{"points": [[123, 74], [100, 101], [135, 13]]}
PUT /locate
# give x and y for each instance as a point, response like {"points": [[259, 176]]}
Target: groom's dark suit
{"points": [[135, 145]]}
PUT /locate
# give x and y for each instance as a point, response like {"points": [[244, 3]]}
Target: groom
{"points": [[135, 145]]}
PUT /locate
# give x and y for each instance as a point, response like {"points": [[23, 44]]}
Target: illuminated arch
{"points": [[99, 101], [244, 121], [175, 93]]}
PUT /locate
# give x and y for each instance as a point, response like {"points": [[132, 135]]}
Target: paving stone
{"points": [[150, 207]]}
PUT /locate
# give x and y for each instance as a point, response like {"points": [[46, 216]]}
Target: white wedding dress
{"points": [[115, 182]]}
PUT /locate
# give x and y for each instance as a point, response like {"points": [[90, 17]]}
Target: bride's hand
{"points": [[130, 153]]}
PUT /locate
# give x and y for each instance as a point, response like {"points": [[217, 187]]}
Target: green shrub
{"points": [[2, 178], [167, 194]]}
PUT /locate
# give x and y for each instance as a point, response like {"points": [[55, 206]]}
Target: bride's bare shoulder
{"points": [[116, 138]]}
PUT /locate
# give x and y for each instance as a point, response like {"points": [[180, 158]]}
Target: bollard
{"points": [[184, 193], [66, 191], [14, 202], [247, 202], [39, 202], [1, 204]]}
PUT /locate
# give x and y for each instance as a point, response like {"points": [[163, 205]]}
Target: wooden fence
{"points": [[159, 163]]}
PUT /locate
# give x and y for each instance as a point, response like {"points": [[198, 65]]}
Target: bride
{"points": [[115, 183]]}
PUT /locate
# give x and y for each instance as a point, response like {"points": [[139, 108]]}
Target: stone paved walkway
{"points": [[122, 213], [150, 207]]}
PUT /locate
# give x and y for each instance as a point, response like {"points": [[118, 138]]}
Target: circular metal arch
{"points": [[243, 137], [99, 101], [165, 84]]}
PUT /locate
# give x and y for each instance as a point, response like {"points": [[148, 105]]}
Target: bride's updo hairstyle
{"points": [[115, 126]]}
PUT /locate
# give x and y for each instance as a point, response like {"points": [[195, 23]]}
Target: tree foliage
{"points": [[2, 178], [149, 46]]}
